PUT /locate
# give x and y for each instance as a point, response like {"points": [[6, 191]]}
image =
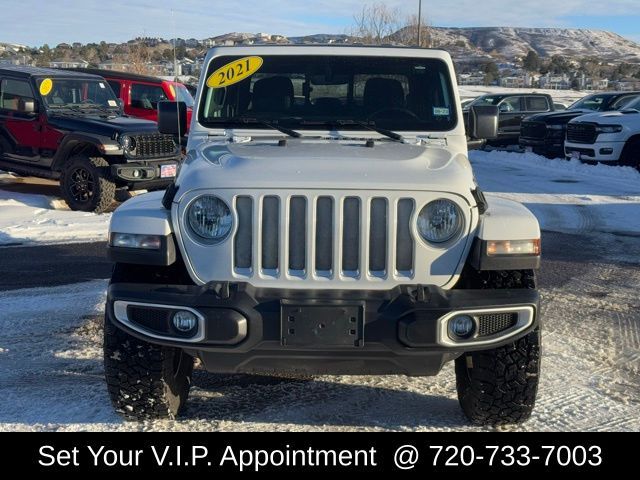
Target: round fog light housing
{"points": [[461, 327], [185, 321]]}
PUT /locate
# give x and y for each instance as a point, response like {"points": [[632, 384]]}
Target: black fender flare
{"points": [[73, 140]]}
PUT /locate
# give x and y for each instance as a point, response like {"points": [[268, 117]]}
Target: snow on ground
{"points": [[31, 218], [566, 196], [564, 96]]}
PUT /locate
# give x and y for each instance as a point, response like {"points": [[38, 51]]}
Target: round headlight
{"points": [[128, 142], [210, 219], [440, 221]]}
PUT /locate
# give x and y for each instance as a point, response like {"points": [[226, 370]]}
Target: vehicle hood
{"points": [[611, 118], [97, 125], [557, 118], [334, 165]]}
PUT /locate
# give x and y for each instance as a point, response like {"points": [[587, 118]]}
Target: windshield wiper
{"points": [[372, 126], [266, 123]]}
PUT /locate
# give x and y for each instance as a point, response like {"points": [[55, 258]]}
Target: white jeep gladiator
{"points": [[326, 220], [606, 137]]}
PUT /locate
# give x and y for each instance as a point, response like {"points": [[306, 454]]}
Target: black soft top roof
{"points": [[118, 74], [28, 72]]}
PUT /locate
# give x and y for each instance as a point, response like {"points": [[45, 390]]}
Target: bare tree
{"points": [[409, 34], [376, 24], [138, 58]]}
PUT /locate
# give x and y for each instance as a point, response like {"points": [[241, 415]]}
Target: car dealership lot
{"points": [[50, 338]]}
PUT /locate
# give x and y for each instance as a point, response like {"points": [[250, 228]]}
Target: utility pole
{"points": [[419, 23]]}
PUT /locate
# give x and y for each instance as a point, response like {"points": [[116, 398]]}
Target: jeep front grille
{"points": [[582, 133], [153, 146], [330, 237]]}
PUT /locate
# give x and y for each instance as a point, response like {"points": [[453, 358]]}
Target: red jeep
{"points": [[140, 94]]}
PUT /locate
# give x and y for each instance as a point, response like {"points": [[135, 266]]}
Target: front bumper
{"points": [[150, 173], [608, 152], [249, 330], [544, 146]]}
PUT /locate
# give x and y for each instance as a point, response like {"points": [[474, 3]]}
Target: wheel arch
{"points": [[75, 144]]}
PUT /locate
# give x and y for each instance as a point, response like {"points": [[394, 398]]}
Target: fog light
{"points": [[606, 151], [136, 174], [461, 327], [185, 321]]}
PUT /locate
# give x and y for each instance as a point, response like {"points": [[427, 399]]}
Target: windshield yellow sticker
{"points": [[46, 86], [234, 72]]}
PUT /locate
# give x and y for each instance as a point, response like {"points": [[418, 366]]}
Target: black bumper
{"points": [[144, 174], [247, 330], [548, 146]]}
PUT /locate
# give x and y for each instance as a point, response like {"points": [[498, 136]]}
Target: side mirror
{"points": [[120, 103], [27, 105], [172, 118], [483, 122]]}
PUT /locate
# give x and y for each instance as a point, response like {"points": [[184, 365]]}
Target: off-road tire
{"points": [[631, 154], [103, 189], [145, 381], [499, 386]]}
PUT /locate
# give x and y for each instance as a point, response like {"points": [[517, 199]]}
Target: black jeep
{"points": [[70, 126]]}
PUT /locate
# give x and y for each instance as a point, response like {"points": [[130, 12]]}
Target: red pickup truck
{"points": [[140, 94]]}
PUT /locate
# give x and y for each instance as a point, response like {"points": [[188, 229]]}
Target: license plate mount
{"points": [[321, 325], [168, 171], [576, 155]]}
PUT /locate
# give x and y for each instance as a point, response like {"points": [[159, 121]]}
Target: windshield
{"points": [[318, 92], [597, 103], [486, 100], [183, 95], [81, 93]]}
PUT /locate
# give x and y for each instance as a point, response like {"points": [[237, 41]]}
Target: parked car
{"points": [[560, 106], [140, 94], [68, 126], [607, 137], [545, 133], [266, 260], [513, 109]]}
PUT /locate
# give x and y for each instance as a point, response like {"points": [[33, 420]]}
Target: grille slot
{"points": [[378, 236], [270, 233], [325, 236], [491, 324], [298, 234], [243, 240], [351, 235], [582, 133], [153, 146], [404, 239]]}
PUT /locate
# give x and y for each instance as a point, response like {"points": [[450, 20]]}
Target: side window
{"points": [[510, 104], [146, 96], [115, 86], [624, 101], [538, 104], [14, 93]]}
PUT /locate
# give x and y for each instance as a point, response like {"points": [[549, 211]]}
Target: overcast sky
{"points": [[35, 22]]}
